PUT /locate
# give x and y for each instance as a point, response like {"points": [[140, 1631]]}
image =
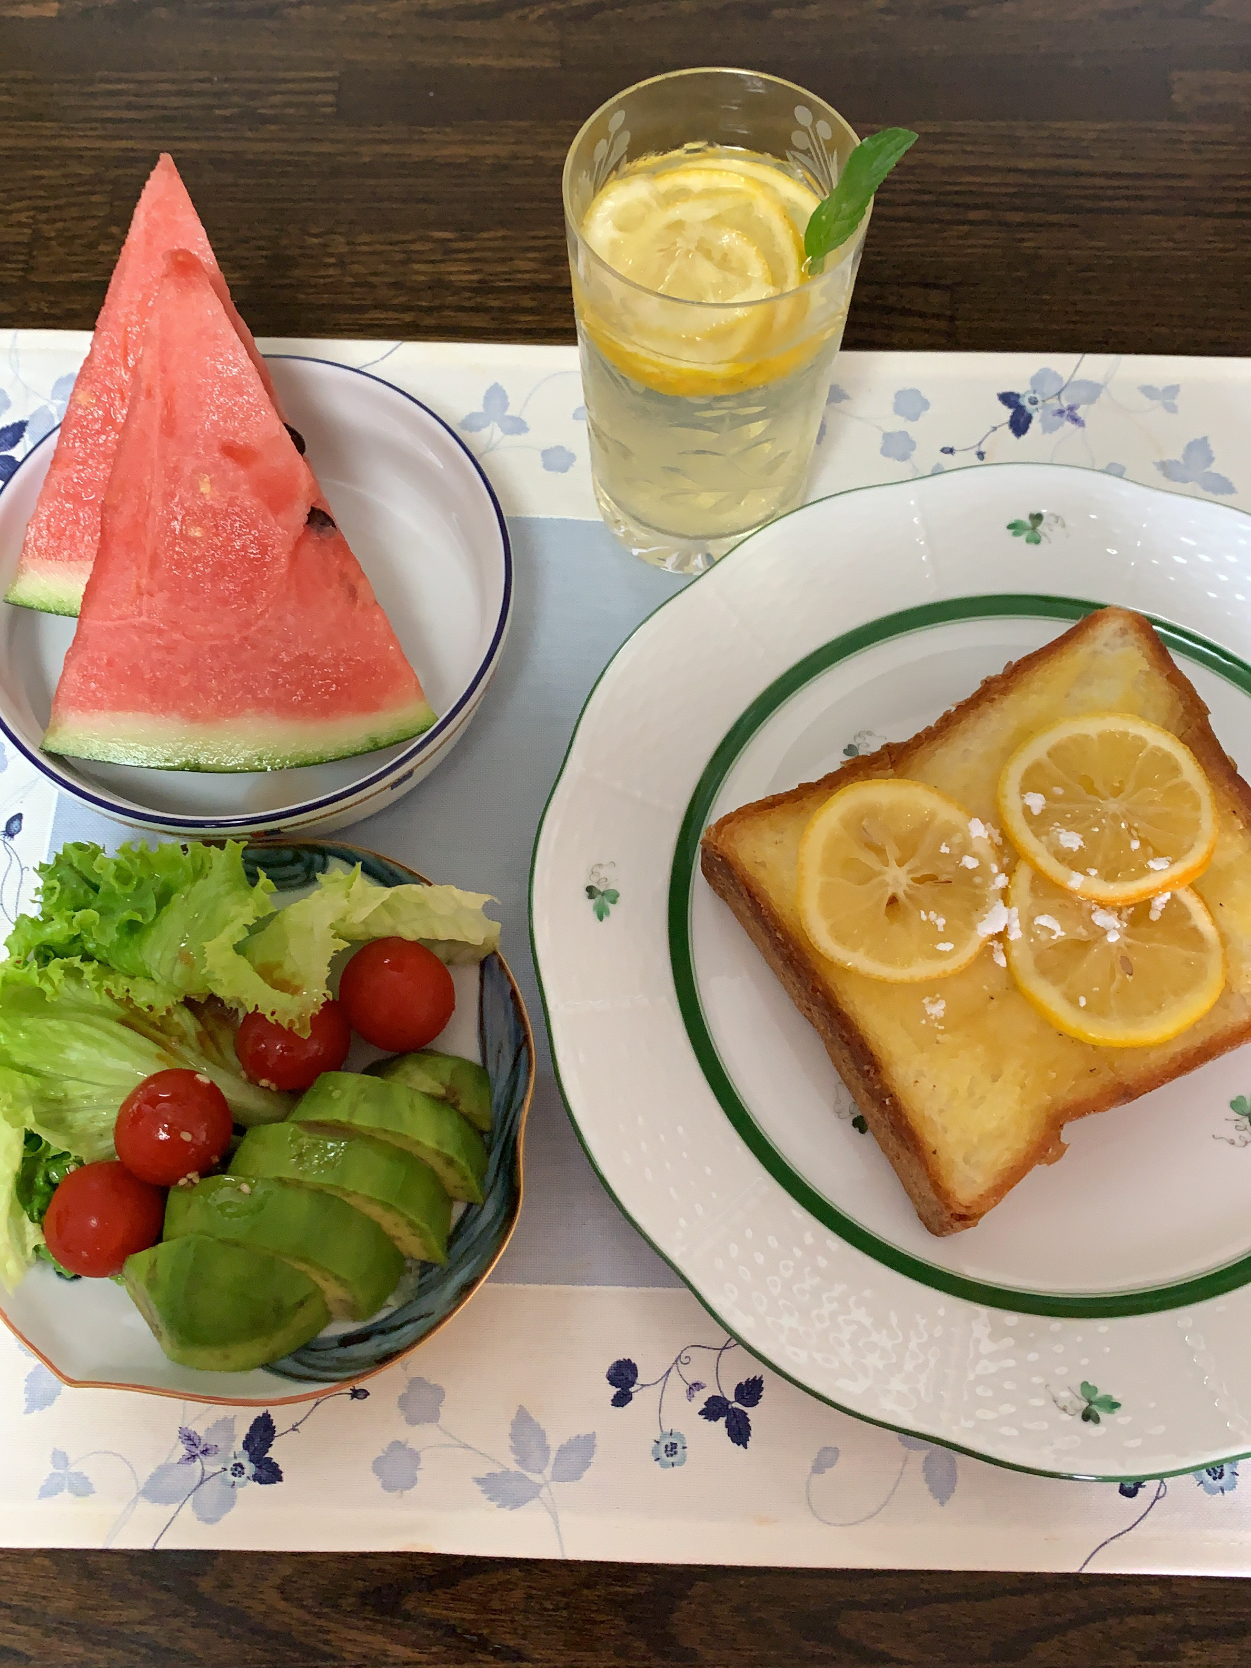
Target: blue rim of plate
{"points": [[439, 731]]}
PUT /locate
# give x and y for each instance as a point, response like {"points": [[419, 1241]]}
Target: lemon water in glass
{"points": [[705, 342]]}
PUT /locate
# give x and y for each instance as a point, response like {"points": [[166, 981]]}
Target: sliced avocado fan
{"points": [[220, 1307], [339, 1248], [402, 1195], [464, 1084], [340, 1102]]}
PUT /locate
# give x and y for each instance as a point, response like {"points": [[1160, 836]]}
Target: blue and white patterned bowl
{"points": [[429, 533], [89, 1333]]}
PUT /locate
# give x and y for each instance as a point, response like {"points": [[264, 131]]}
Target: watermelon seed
{"points": [[297, 439], [320, 522]]}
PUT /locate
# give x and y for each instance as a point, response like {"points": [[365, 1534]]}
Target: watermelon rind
{"points": [[50, 594], [244, 743]]}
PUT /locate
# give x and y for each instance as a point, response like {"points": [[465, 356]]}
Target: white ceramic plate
{"points": [[428, 531], [1098, 1322]]}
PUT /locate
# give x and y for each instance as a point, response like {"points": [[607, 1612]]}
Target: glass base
{"points": [[670, 550]]}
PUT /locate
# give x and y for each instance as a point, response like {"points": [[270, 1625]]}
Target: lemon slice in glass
{"points": [[1110, 806], [1119, 977], [797, 198], [697, 232], [897, 881]]}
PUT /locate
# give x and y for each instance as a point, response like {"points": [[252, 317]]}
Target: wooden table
{"points": [[391, 168]]}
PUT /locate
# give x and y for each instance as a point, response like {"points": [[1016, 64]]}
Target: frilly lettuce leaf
{"points": [[286, 961], [148, 913], [152, 927]]}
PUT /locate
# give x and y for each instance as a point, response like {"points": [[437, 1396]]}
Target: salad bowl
{"points": [[89, 1333], [428, 531]]}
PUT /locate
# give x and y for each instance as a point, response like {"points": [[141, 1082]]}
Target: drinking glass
{"points": [[703, 416]]}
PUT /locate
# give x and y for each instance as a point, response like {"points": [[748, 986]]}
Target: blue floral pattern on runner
{"points": [[500, 424], [1165, 398], [494, 413], [1216, 1480], [910, 404], [10, 438], [13, 874], [1051, 400], [670, 1447], [1194, 468], [534, 1475], [939, 1472], [207, 1470], [26, 432]]}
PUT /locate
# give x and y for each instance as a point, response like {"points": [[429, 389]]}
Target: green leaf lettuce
{"points": [[152, 914], [79, 1051], [157, 926], [288, 958]]}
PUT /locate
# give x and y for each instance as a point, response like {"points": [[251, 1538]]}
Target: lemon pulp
{"points": [[897, 881], [697, 232], [708, 225], [1119, 977], [1111, 807]]}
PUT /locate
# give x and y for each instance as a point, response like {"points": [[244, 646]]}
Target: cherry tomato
{"points": [[175, 1124], [280, 1059], [398, 995], [99, 1215]]}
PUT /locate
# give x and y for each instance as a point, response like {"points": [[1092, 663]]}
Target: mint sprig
{"points": [[833, 221]]}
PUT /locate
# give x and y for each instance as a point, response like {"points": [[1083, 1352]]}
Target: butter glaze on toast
{"points": [[965, 1105]]}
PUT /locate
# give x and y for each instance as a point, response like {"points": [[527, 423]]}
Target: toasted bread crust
{"points": [[799, 968]]}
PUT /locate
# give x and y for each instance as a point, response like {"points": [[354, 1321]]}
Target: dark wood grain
{"points": [[392, 168], [257, 1610]]}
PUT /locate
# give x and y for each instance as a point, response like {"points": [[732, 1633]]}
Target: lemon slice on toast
{"points": [[1111, 807], [895, 881], [1119, 977]]}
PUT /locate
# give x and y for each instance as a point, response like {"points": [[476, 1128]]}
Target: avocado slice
{"points": [[403, 1195], [463, 1084], [221, 1307], [341, 1250], [341, 1101]]}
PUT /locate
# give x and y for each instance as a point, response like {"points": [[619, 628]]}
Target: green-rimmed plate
{"points": [[1098, 1321]]}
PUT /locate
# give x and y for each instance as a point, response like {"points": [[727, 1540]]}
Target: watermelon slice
{"points": [[63, 533], [226, 624]]}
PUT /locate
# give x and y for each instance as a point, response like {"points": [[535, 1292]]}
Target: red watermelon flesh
{"points": [[61, 538], [226, 624]]}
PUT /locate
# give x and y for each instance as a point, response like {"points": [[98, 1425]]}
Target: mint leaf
{"points": [[833, 221]]}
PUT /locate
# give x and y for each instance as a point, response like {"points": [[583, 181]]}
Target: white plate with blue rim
{"points": [[428, 530], [89, 1333], [1097, 1323]]}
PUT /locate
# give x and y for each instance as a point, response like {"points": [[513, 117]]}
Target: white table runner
{"points": [[532, 1423]]}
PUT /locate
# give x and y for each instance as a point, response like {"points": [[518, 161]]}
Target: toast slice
{"points": [[965, 1105]]}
